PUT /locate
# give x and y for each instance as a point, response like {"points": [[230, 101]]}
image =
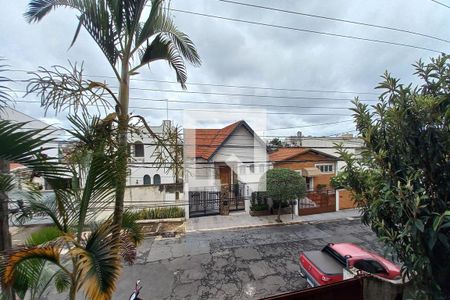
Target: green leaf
{"points": [[62, 281], [419, 225]]}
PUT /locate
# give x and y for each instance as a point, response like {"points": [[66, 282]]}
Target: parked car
{"points": [[327, 266]]}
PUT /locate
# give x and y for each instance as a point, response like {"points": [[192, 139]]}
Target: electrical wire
{"points": [[308, 31], [338, 19]]}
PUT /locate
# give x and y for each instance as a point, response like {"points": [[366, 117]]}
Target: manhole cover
{"points": [[168, 234]]}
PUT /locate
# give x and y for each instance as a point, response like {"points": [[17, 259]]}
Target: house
{"points": [[317, 168], [229, 160], [142, 167], [327, 144]]}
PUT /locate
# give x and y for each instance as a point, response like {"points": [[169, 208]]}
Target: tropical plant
{"points": [[283, 185], [402, 180], [160, 213], [129, 40], [25, 147], [81, 246]]}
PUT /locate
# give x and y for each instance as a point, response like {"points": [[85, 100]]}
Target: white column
{"points": [[296, 208], [185, 199], [337, 200]]}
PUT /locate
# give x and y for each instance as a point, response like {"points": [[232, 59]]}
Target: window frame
{"points": [[326, 165], [140, 144]]}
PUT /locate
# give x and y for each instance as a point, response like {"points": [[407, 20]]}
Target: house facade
{"points": [[225, 163], [317, 168], [142, 166]]}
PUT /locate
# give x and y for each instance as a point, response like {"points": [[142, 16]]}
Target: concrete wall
{"points": [[146, 196]]}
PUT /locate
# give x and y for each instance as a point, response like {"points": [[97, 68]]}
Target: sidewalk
{"points": [[244, 220]]}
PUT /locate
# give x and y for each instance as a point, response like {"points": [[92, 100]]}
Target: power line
{"points": [[211, 110], [241, 95], [440, 3], [308, 31], [225, 85], [338, 19]]}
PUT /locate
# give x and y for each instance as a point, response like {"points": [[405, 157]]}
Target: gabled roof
{"points": [[289, 152], [209, 141]]}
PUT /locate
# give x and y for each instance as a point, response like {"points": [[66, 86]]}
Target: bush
{"points": [[259, 201], [160, 213]]}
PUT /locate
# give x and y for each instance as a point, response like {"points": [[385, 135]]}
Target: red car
{"points": [[327, 266]]}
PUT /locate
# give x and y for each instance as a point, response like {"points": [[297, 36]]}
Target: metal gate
{"points": [[204, 203], [317, 202]]}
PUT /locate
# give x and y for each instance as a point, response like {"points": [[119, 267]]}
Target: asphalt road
{"points": [[234, 264]]}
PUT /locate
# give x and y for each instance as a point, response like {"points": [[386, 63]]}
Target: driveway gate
{"points": [[204, 203]]}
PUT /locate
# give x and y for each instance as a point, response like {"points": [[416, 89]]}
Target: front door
{"points": [[225, 176]]}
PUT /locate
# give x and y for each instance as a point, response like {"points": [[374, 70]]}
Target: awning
{"points": [[310, 172]]}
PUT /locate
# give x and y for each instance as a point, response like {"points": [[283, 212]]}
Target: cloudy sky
{"points": [[295, 69]]}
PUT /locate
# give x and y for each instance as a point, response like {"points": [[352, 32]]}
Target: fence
{"points": [[317, 202]]}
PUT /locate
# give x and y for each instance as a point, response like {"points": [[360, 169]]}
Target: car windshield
{"points": [[370, 266]]}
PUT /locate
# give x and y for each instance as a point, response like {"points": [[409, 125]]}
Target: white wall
{"points": [[141, 166]]}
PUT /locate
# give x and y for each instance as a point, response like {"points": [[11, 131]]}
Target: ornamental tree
{"points": [[284, 185], [402, 179]]}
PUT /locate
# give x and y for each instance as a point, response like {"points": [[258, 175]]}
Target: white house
{"points": [[228, 160], [142, 167]]}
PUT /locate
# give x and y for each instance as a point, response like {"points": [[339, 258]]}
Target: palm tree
{"points": [[85, 252], [129, 40]]}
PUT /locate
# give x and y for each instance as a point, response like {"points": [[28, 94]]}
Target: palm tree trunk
{"points": [[122, 152], [5, 236]]}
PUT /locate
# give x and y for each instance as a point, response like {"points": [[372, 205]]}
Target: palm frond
{"points": [[26, 147], [98, 263], [65, 88], [164, 48], [62, 281], [6, 183], [47, 253], [38, 9], [131, 227], [98, 21]]}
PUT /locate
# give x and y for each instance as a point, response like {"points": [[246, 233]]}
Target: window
{"points": [[325, 168], [156, 179], [370, 266], [147, 180], [309, 183], [138, 149], [252, 168], [299, 172]]}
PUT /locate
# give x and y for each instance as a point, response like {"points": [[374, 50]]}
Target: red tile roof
{"points": [[290, 152], [207, 141], [285, 153]]}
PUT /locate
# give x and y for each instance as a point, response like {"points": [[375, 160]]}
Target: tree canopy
{"points": [[402, 179]]}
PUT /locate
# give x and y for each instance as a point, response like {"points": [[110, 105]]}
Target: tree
{"points": [[284, 185], [129, 40], [276, 142], [402, 180], [93, 261], [5, 181]]}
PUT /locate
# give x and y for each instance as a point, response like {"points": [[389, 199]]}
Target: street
{"points": [[233, 264]]}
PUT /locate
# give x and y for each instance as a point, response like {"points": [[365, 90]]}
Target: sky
{"points": [[242, 54]]}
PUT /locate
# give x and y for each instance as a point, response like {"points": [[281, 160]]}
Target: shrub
{"points": [[160, 213], [259, 201]]}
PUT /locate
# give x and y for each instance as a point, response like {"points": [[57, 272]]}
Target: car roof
{"points": [[350, 249]]}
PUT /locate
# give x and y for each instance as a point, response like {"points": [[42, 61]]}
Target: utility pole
{"points": [[5, 236]]}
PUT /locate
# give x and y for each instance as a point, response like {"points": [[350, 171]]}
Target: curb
{"points": [[273, 224]]}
